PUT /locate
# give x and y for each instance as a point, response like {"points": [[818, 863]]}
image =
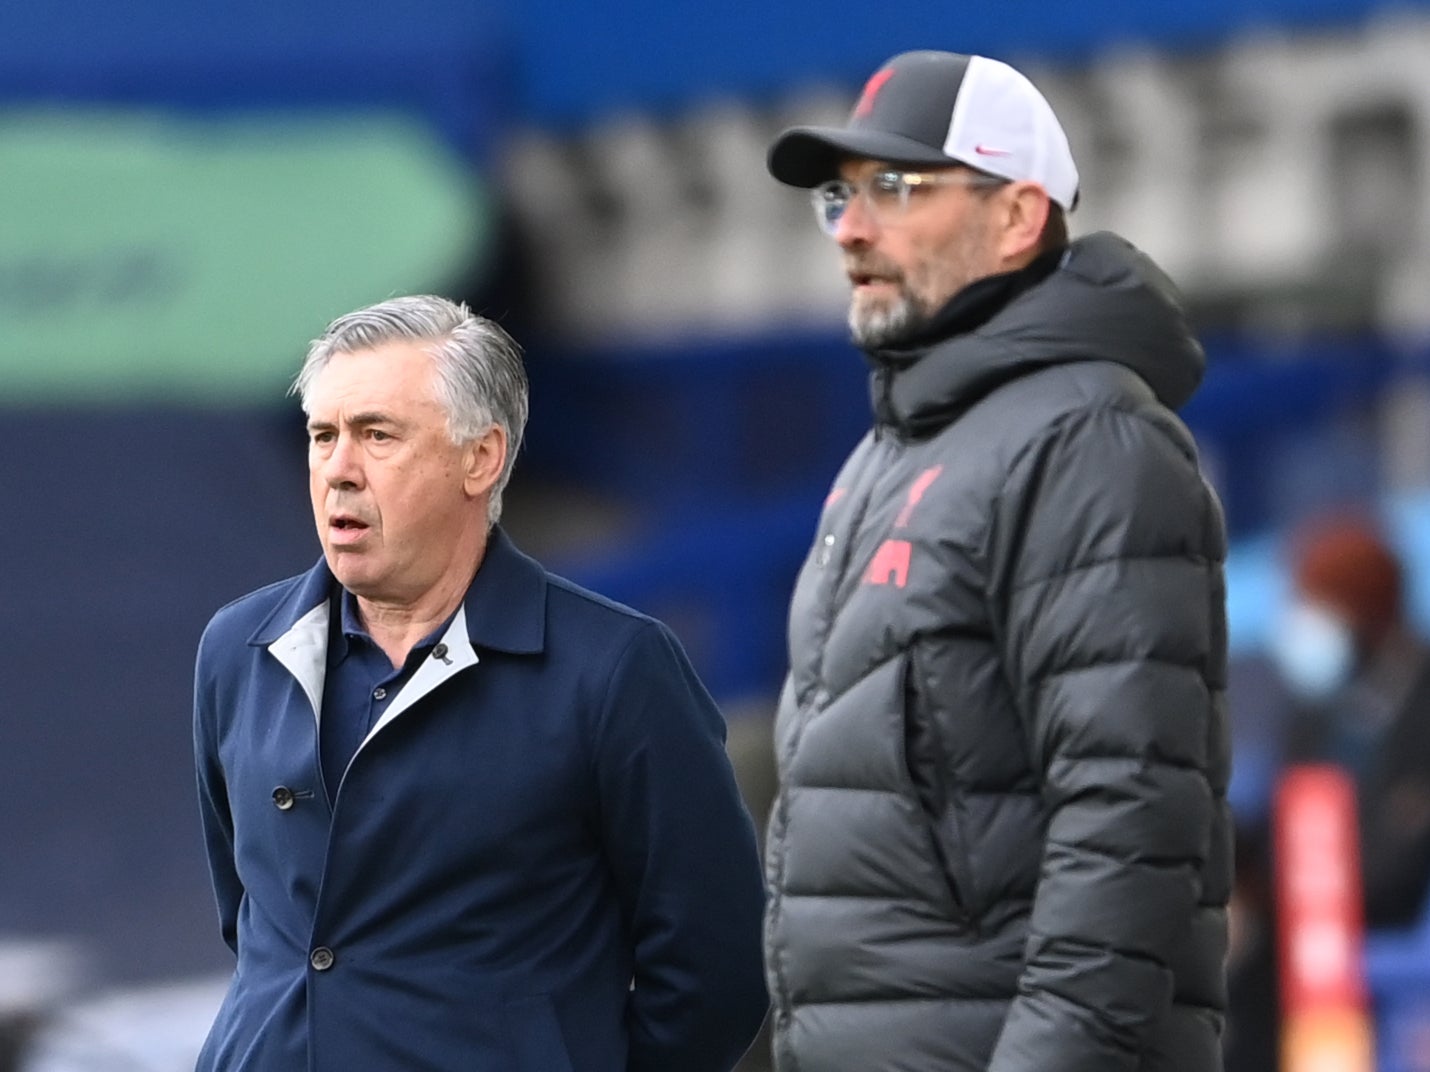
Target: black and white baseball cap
{"points": [[933, 109]]}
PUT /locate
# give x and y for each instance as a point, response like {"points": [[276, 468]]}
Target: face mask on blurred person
{"points": [[1314, 650]]}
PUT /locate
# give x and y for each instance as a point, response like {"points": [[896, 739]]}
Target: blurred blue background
{"points": [[188, 193]]}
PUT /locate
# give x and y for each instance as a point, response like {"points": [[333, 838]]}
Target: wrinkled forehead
{"points": [[400, 377]]}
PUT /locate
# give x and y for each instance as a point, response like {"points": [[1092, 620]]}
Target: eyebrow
{"points": [[358, 420]]}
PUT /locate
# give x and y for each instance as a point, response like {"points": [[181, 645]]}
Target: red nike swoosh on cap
{"points": [[988, 150]]}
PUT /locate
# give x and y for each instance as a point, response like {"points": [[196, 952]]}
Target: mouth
{"points": [[860, 280], [345, 529]]}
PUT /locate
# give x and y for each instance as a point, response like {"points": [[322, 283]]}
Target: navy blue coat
{"points": [[537, 861]]}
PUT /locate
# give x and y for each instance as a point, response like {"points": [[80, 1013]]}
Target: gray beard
{"points": [[888, 327]]}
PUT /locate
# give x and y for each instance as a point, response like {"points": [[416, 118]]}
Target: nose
{"points": [[856, 225], [341, 467]]}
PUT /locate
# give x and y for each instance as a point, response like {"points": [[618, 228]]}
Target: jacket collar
{"points": [[971, 308], [506, 604], [505, 607], [897, 387], [1100, 300]]}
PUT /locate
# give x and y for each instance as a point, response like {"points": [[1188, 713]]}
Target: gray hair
{"points": [[481, 381]]}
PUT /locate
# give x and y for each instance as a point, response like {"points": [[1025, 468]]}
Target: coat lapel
{"points": [[459, 655], [303, 651], [296, 633]]}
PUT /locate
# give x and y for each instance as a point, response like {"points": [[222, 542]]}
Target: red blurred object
{"points": [[1326, 1023]]}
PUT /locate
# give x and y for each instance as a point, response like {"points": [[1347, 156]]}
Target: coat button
{"points": [[322, 958], [283, 798]]}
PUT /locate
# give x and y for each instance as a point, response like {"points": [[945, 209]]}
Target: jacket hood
{"points": [[1104, 301]]}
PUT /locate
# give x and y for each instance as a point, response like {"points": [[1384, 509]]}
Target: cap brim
{"points": [[807, 156]]}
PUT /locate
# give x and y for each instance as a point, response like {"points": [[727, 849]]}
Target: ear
{"points": [[483, 461], [1026, 208]]}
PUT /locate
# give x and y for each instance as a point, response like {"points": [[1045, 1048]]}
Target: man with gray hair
{"points": [[460, 813]]}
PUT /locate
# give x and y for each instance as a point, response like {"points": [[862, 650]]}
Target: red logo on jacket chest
{"points": [[891, 561]]}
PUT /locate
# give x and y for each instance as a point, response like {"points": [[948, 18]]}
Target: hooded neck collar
{"points": [[1100, 299], [970, 309]]}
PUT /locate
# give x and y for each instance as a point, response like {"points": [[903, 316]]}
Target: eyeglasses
{"points": [[886, 193]]}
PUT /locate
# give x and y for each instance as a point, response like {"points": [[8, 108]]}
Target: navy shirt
{"points": [[360, 683]]}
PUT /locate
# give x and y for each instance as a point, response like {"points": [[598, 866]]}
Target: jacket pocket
{"points": [[931, 780], [534, 1036]]}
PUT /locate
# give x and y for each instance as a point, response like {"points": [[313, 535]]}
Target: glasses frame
{"points": [[888, 190]]}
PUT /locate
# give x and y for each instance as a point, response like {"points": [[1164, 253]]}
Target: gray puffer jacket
{"points": [[1002, 839]]}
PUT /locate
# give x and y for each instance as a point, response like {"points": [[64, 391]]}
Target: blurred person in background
{"points": [[460, 813], [1345, 680], [1001, 840], [1358, 678]]}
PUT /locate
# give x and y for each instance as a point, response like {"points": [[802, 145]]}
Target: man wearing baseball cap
{"points": [[1001, 840]]}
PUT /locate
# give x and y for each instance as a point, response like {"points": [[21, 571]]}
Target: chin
{"points": [[351, 575], [880, 323]]}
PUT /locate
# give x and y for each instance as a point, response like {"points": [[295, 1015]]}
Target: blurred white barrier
{"points": [[155, 1029], [35, 975], [1283, 179]]}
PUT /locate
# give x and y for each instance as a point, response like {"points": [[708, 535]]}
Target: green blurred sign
{"points": [[149, 256]]}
